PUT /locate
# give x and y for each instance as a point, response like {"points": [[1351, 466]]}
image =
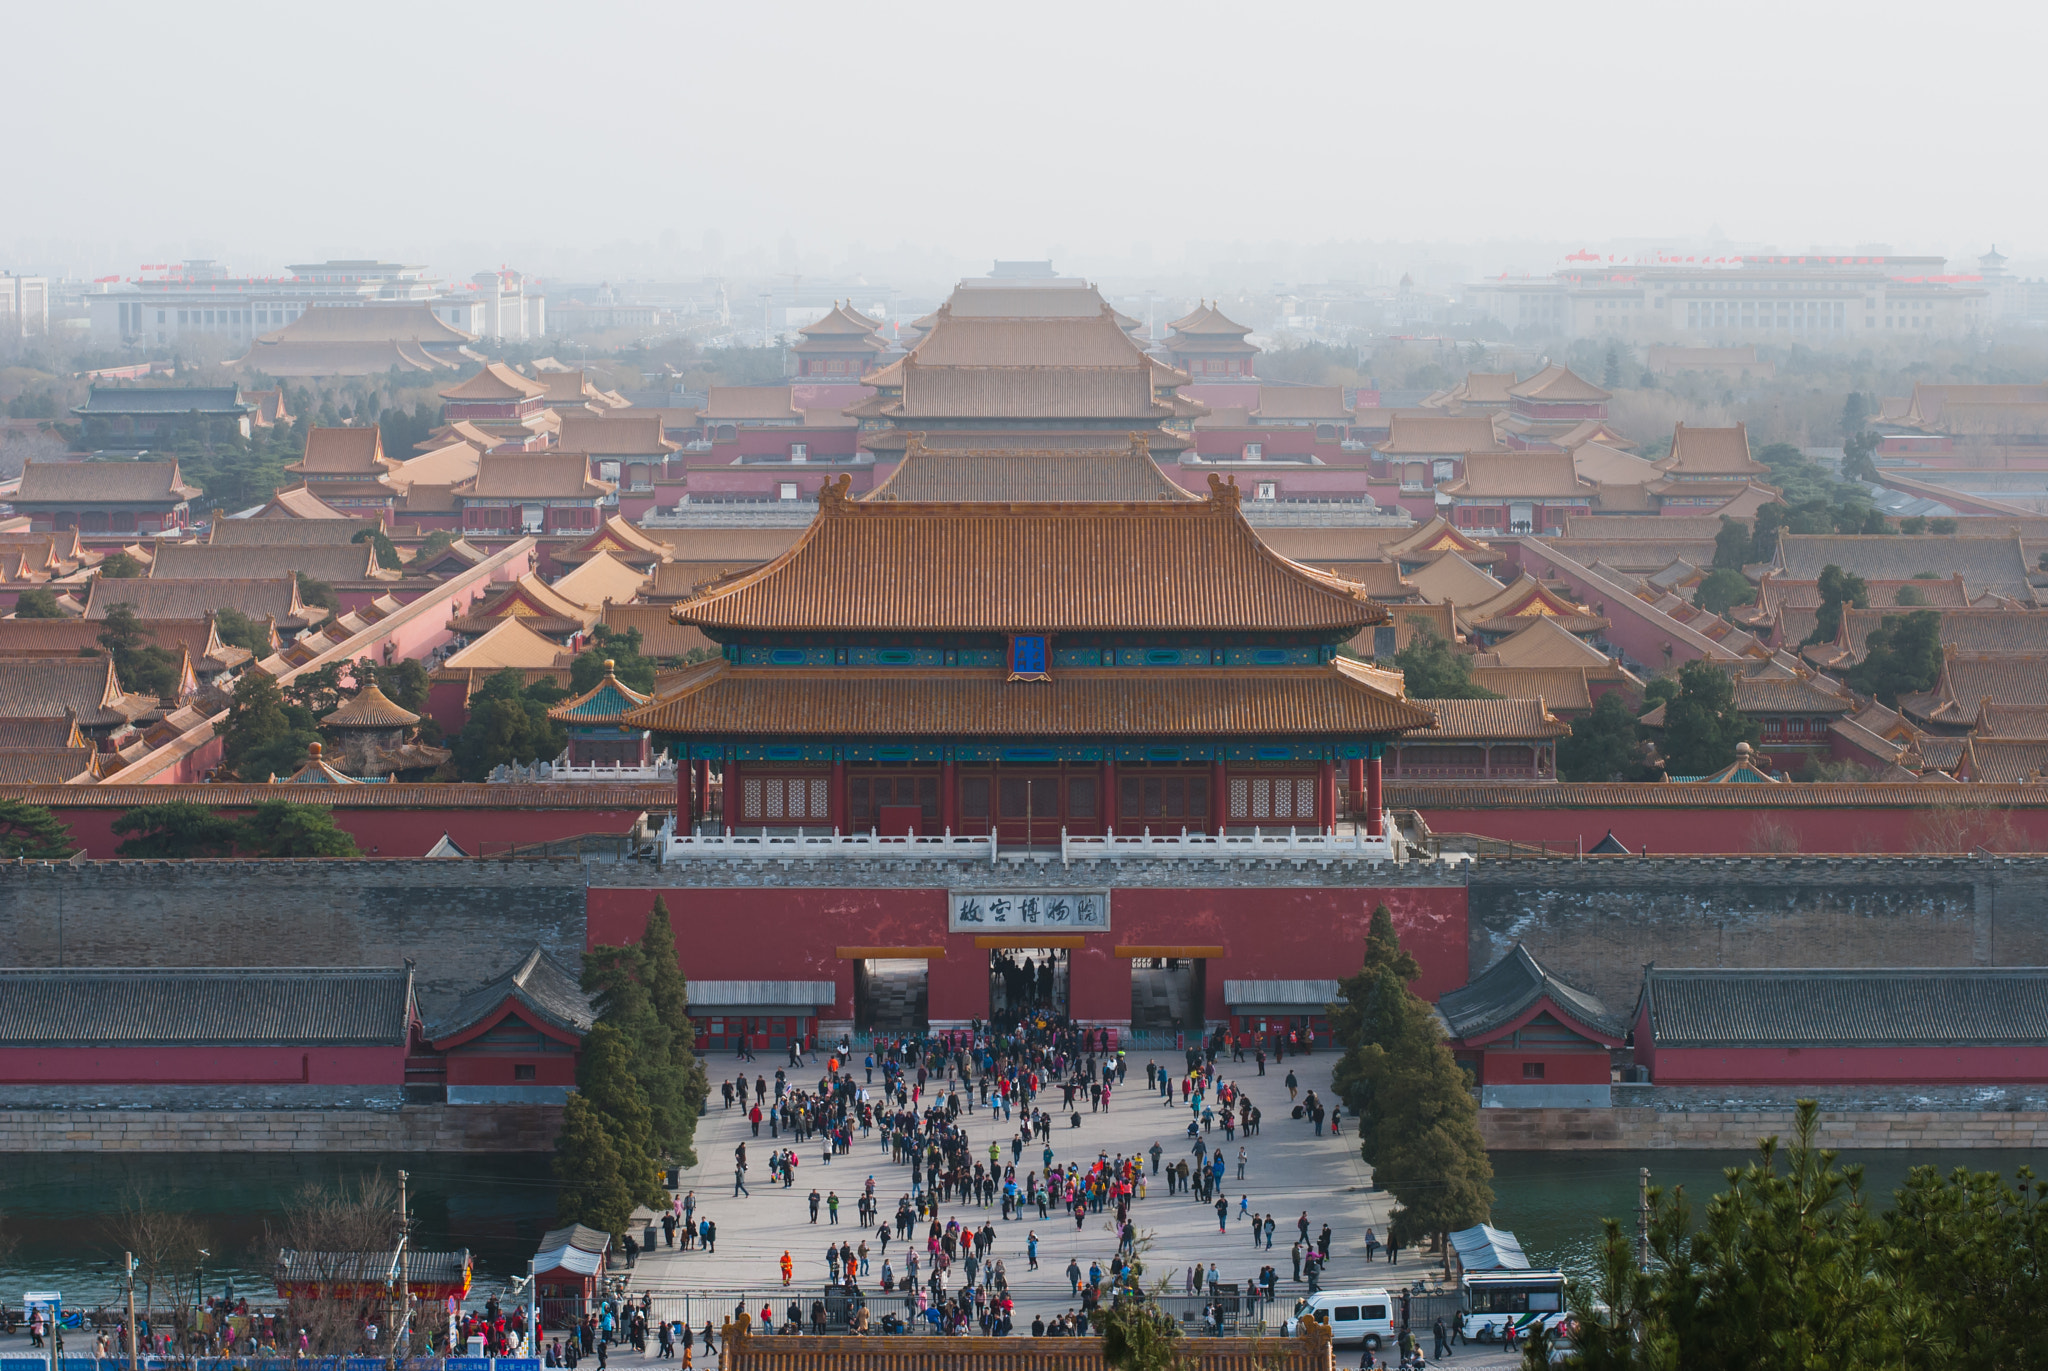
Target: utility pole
{"points": [[404, 1254], [128, 1262], [1643, 1219]]}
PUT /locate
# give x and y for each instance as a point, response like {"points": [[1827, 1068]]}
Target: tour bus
{"points": [[1354, 1316], [1495, 1299]]}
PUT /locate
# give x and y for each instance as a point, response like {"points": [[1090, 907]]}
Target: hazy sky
{"points": [[661, 138]]}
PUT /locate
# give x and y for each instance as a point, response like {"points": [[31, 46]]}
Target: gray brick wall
{"points": [[461, 922], [415, 1128], [1596, 923]]}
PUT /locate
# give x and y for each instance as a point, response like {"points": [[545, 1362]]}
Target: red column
{"points": [[1219, 798], [949, 796], [1375, 799], [835, 800], [1109, 798], [732, 795], [1355, 783], [1326, 796], [686, 790], [703, 770]]}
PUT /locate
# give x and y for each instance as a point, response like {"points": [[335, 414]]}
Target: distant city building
{"points": [[1810, 299], [201, 298], [24, 306]]}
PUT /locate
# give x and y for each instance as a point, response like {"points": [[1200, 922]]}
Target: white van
{"points": [[1354, 1316], [1526, 1299]]}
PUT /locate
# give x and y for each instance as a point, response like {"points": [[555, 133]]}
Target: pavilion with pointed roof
{"points": [[1097, 667], [601, 734], [1208, 345], [374, 735], [1549, 405], [839, 347], [1707, 468]]}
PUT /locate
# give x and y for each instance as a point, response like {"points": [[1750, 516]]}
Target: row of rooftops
{"points": [[1768, 1007], [43, 1007]]}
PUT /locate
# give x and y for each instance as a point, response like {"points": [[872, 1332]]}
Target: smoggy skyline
{"points": [[641, 140]]}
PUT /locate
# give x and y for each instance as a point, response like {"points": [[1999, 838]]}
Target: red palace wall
{"points": [[202, 1066], [1265, 933]]}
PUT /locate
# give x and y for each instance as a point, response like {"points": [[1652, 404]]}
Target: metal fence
{"points": [[41, 1362], [1228, 1312]]}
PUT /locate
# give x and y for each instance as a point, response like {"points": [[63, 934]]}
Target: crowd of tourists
{"points": [[912, 1098]]}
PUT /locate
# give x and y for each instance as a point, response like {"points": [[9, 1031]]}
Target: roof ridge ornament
{"points": [[1223, 492], [833, 494]]}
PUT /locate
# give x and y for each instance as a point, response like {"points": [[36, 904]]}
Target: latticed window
{"points": [[785, 799], [1262, 799]]}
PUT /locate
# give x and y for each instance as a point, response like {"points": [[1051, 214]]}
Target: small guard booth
{"points": [[568, 1272]]}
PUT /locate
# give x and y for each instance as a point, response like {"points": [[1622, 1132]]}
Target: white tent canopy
{"points": [[1486, 1248]]}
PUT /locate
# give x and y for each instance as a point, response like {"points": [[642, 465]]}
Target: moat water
{"points": [[55, 1208]]}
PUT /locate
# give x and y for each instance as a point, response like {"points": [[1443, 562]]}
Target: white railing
{"points": [[812, 843], [1260, 842], [801, 843], [661, 769]]}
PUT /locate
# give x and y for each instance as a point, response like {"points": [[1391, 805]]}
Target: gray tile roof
{"points": [[204, 1006], [1852, 1008], [373, 1268], [579, 1236], [1998, 564], [1511, 986], [165, 400], [542, 985]]}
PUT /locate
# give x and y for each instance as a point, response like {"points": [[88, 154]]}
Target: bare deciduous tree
{"points": [[1962, 822], [342, 1238], [166, 1243]]}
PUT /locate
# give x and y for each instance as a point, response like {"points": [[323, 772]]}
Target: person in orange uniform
{"points": [[788, 1268]]}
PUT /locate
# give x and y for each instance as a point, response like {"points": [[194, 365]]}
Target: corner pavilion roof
{"points": [[1007, 568], [1207, 319], [607, 702], [1337, 698]]}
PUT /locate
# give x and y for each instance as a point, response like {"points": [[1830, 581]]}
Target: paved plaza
{"points": [[1289, 1170]]}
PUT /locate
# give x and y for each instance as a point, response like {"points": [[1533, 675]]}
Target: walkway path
{"points": [[1290, 1170]]}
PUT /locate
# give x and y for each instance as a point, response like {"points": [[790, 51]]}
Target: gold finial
{"points": [[608, 665]]}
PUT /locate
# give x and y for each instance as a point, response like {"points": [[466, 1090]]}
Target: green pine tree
{"points": [[1434, 669], [178, 828], [1901, 657], [1418, 1124], [593, 1175], [282, 828], [619, 980], [33, 832], [605, 1073], [264, 735], [37, 602], [1701, 724], [669, 993]]}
